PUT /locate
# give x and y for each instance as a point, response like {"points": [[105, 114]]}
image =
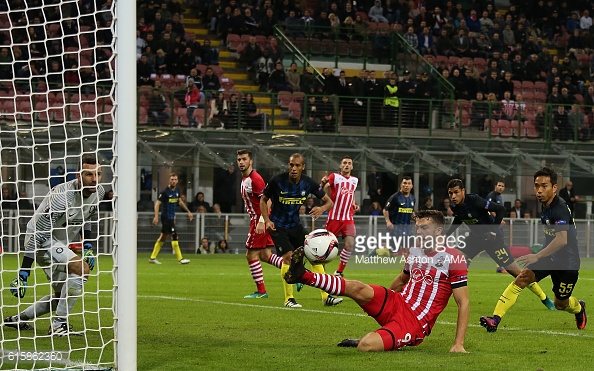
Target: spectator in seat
{"points": [[254, 119], [443, 45], [577, 122], [313, 121], [192, 99], [265, 66], [293, 27], [210, 82], [566, 99], [561, 128], [199, 202], [218, 112], [376, 209], [425, 43], [539, 121], [144, 71], [533, 69], [204, 246], [327, 115], [376, 13], [222, 247], [494, 106], [157, 108], [508, 107], [210, 54], [249, 57], [277, 81], [160, 62], [275, 51], [480, 111], [233, 112], [294, 77]]}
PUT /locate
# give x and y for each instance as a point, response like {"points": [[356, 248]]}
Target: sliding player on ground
{"points": [[408, 310], [486, 233], [258, 241], [560, 257], [340, 220]]}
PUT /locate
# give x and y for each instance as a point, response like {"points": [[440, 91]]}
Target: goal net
{"points": [[58, 97]]}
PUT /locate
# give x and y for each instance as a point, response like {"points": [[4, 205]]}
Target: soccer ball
{"points": [[320, 246]]}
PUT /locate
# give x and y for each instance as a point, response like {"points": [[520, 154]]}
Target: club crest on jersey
{"points": [[547, 222], [345, 190], [469, 215], [303, 193], [439, 261], [417, 275]]}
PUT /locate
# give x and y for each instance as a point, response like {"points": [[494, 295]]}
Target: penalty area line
{"points": [[219, 302]]}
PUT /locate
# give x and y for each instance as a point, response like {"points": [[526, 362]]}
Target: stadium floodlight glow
{"points": [[575, 159], [329, 161], [428, 158], [480, 159], [149, 150], [267, 156], [377, 158], [526, 158]]}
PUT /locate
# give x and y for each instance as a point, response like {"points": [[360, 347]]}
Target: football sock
{"points": [[156, 249], [330, 283], [39, 308], [535, 288], [345, 254], [257, 275], [507, 299], [71, 290], [288, 288], [275, 260], [175, 247], [319, 269], [574, 306]]}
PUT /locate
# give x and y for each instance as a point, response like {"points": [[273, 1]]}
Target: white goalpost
{"points": [[68, 89]]}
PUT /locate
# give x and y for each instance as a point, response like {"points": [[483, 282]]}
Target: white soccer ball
{"points": [[320, 246]]}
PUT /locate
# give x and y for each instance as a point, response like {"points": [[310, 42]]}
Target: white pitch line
{"points": [[546, 332]]}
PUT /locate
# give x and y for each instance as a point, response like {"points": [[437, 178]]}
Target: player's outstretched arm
{"points": [[317, 211], [557, 243], [264, 209], [462, 299], [185, 207]]}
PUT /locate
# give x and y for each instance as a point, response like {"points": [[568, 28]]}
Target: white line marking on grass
{"points": [[546, 332]]}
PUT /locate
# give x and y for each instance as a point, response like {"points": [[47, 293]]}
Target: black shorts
{"points": [[168, 227], [286, 240], [564, 281], [497, 250]]}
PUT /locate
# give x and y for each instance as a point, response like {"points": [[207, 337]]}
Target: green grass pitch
{"points": [[194, 317]]}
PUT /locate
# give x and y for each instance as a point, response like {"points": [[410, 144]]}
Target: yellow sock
{"points": [[156, 249], [535, 288], [507, 299], [175, 246], [319, 268], [574, 306], [288, 288]]}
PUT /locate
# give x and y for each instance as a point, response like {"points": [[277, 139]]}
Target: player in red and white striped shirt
{"points": [[408, 310], [340, 221], [258, 241]]}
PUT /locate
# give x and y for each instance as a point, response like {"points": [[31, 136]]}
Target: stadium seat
{"points": [[180, 118], [363, 15], [328, 48], [528, 96], [285, 98], [541, 86], [24, 110], [295, 112], [245, 38], [491, 123], [579, 98], [199, 115], [298, 96], [532, 133], [517, 85], [527, 86], [584, 60], [142, 116], [356, 49], [540, 97], [233, 40], [262, 41]]}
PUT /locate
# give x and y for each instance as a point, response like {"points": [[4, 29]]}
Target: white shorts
{"points": [[53, 258]]}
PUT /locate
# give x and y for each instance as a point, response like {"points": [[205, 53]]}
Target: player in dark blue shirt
{"points": [[169, 198], [495, 197], [559, 257], [399, 210], [287, 192], [486, 233]]}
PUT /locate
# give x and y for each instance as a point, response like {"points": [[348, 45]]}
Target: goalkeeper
{"points": [[52, 234]]}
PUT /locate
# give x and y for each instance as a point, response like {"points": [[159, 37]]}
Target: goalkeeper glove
{"points": [[18, 286], [88, 255]]}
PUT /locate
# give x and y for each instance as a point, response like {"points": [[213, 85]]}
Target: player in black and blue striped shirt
{"points": [[169, 198], [399, 210], [486, 233], [288, 191]]}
